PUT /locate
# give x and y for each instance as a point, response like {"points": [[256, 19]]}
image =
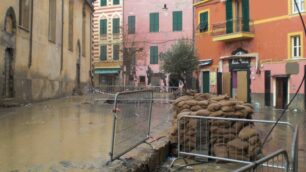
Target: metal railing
{"points": [[276, 162], [131, 121], [237, 25], [222, 139]]}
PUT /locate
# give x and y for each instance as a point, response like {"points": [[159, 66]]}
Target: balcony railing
{"points": [[236, 26]]}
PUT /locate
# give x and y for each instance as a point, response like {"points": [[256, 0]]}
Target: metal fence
{"points": [[217, 138], [131, 121], [276, 162]]}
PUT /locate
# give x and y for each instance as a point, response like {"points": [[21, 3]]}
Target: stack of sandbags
{"points": [[228, 139]]}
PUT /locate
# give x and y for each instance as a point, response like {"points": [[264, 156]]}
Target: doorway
{"points": [[8, 89], [268, 88], [206, 82], [281, 92]]}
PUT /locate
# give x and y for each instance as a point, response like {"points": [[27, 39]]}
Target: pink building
{"points": [[151, 27]]}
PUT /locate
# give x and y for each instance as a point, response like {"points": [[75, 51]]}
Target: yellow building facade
{"points": [[45, 48]]}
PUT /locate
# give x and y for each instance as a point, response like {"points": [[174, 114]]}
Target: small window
{"points": [[296, 47], [203, 26], [153, 55], [300, 4], [116, 2], [24, 14], [116, 50], [103, 2], [116, 26], [177, 17], [52, 20], [103, 27], [103, 52], [154, 22], [131, 24]]}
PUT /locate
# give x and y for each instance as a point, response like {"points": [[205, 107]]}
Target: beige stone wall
{"points": [[44, 78]]}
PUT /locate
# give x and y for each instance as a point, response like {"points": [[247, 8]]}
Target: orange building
{"points": [[251, 49]]}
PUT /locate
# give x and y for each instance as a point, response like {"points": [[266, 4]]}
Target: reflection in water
{"points": [[58, 135]]}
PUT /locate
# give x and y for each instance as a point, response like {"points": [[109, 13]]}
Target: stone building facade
{"points": [[44, 48], [107, 42]]}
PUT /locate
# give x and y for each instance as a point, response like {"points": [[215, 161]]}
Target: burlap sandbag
{"points": [[195, 108], [254, 140], [219, 98], [227, 103], [247, 132], [191, 102], [182, 98], [180, 104], [221, 123], [227, 108], [220, 150], [219, 113], [202, 112], [185, 106], [214, 107], [203, 103], [238, 144]]}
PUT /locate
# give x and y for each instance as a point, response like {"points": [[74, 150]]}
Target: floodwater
{"points": [[68, 134]]}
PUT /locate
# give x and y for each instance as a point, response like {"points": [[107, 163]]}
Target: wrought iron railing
{"points": [[237, 25]]}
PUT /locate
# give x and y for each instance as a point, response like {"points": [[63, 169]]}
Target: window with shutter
{"points": [[245, 16], [103, 2], [154, 22], [103, 26], [177, 20], [116, 2], [116, 25], [116, 49], [229, 16], [103, 52], [203, 27], [131, 24], [153, 55]]}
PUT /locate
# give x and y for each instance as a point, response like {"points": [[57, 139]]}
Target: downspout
{"points": [[90, 49], [31, 36], [62, 49]]}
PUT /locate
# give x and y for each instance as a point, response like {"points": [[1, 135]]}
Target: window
{"points": [[103, 26], [103, 52], [84, 34], [70, 26], [116, 25], [103, 2], [52, 20], [131, 24], [177, 20], [296, 46], [116, 2], [116, 49], [153, 55], [300, 4], [24, 14], [203, 27], [154, 22]]}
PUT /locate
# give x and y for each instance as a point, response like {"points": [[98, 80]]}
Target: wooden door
{"points": [[242, 86], [226, 83], [206, 82], [281, 92], [268, 88]]}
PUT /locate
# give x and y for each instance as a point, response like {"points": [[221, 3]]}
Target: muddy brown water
{"points": [[68, 134]]}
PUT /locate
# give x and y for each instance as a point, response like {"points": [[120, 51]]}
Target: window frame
{"points": [[116, 52], [293, 9], [25, 25], [116, 29], [154, 23], [100, 53], [298, 48], [103, 29], [177, 26], [154, 56], [116, 1], [131, 24], [208, 20], [103, 3]]}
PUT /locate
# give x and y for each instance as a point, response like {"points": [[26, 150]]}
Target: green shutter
{"points": [[153, 55], [116, 25], [116, 2], [245, 16], [103, 26], [177, 20], [103, 2], [103, 52], [116, 52], [154, 22], [204, 22], [131, 24], [229, 16]]}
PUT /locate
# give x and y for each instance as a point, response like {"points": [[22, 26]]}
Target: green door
{"points": [[206, 82]]}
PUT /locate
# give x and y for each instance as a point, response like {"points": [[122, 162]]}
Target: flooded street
{"points": [[68, 134]]}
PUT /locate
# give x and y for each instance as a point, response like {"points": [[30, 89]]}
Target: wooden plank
{"points": [[242, 86]]}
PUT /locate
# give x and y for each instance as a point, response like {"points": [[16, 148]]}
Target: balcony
{"points": [[233, 30]]}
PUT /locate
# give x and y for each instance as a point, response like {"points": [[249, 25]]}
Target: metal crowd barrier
{"points": [[199, 138], [276, 162], [131, 121]]}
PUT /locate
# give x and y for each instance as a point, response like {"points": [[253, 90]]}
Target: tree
{"points": [[179, 61]]}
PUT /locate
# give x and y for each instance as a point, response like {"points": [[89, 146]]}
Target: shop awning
{"points": [[107, 71], [205, 62]]}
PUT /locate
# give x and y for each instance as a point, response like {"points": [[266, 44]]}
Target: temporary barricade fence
{"points": [[131, 121]]}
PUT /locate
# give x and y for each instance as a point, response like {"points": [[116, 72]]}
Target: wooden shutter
{"points": [[103, 27], [103, 2], [116, 52], [229, 16], [245, 16], [242, 86], [226, 83], [131, 24], [154, 55], [177, 20], [116, 2], [116, 25], [103, 52], [204, 22], [154, 22]]}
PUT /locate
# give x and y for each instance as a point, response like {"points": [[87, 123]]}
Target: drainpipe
{"points": [[90, 50], [62, 39], [31, 35]]}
